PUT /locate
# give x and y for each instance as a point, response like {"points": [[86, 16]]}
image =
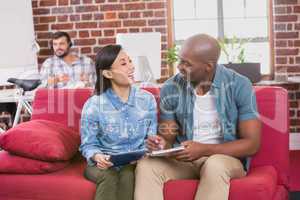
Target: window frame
{"points": [[171, 38]]}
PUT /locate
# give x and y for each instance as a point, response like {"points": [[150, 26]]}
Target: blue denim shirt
{"points": [[109, 125], [235, 101]]}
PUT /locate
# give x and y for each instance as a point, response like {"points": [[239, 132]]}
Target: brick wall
{"points": [[287, 51], [95, 23], [294, 96], [286, 36]]}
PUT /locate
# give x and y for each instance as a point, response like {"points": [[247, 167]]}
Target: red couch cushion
{"points": [[60, 105], [41, 140], [66, 184], [273, 107], [259, 184], [281, 193], [180, 189], [13, 164]]}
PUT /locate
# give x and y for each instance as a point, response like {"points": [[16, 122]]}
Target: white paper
{"points": [[166, 152]]}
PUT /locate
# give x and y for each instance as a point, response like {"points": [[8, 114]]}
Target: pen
{"points": [[159, 145]]}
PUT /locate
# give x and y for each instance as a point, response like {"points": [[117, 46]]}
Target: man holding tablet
{"points": [[211, 111]]}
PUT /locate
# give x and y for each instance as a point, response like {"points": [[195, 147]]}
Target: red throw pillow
{"points": [[41, 140], [13, 164]]}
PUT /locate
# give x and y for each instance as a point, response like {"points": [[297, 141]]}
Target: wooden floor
{"points": [[295, 171], [294, 196]]}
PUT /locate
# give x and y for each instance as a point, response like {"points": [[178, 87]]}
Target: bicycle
{"points": [[23, 85]]}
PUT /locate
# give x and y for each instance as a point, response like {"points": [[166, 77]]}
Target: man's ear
{"points": [[107, 74], [210, 66]]}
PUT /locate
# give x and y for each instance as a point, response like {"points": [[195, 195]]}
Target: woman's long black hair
{"points": [[104, 60]]}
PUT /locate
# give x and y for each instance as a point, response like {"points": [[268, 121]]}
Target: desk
{"points": [[12, 95], [290, 81], [12, 102]]}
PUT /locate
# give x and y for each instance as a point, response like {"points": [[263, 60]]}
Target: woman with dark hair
{"points": [[116, 119]]}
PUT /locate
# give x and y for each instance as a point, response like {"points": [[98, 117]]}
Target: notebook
{"points": [[166, 152]]}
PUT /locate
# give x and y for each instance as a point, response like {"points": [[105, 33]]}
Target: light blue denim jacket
{"points": [[235, 101], [109, 125]]}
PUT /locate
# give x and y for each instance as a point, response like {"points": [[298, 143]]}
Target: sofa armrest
{"points": [[259, 184]]}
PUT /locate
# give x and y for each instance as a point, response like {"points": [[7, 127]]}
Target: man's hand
{"points": [[64, 78], [52, 80], [155, 142], [193, 151], [84, 77], [102, 161]]}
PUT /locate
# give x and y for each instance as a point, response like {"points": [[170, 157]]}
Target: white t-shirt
{"points": [[207, 126]]}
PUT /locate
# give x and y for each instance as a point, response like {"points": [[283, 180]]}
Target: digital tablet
{"points": [[125, 158]]}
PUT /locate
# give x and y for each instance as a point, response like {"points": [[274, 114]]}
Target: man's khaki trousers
{"points": [[214, 173]]}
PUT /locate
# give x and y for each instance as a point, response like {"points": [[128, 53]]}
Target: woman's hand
{"points": [[102, 161]]}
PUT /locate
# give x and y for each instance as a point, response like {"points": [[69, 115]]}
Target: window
{"points": [[243, 19]]}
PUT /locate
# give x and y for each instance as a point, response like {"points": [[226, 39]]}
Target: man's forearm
{"points": [[239, 148], [247, 145]]}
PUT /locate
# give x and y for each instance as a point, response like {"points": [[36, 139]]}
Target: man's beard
{"points": [[64, 54]]}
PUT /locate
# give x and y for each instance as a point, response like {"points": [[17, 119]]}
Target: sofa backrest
{"points": [[64, 105], [273, 107], [60, 105], [155, 91]]}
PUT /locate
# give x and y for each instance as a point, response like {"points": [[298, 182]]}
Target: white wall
{"points": [[17, 50], [294, 141], [145, 51]]}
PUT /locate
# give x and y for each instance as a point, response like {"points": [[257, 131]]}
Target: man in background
{"points": [[66, 69]]}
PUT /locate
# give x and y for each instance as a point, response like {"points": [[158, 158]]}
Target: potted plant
{"points": [[172, 58], [234, 51]]}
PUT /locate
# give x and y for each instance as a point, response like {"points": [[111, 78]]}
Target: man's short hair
{"points": [[60, 34]]}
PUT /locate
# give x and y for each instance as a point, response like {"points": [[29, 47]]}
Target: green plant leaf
{"points": [[241, 56], [233, 49], [172, 55]]}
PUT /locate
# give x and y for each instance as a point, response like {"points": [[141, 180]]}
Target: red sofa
{"points": [[267, 178]]}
